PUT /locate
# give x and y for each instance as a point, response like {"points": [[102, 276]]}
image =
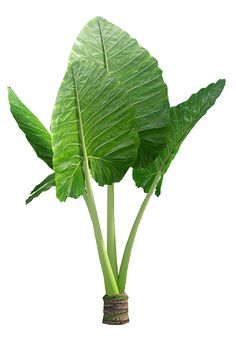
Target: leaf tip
{"points": [[100, 18], [9, 90], [28, 200], [221, 83], [61, 198], [11, 95]]}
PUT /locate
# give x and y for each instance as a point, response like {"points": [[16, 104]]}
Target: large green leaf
{"points": [[122, 56], [37, 135], [183, 118], [92, 120]]}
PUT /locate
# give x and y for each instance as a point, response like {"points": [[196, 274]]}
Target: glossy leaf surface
{"points": [[122, 56], [92, 119], [183, 118], [37, 135]]}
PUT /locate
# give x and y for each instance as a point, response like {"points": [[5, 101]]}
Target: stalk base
{"points": [[115, 309]]}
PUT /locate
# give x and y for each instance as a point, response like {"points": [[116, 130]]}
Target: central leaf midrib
{"points": [[103, 47], [80, 123]]}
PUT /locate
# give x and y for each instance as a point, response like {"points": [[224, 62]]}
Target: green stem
{"points": [[109, 279], [129, 245], [111, 234]]}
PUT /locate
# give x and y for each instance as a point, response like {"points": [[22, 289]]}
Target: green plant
{"points": [[111, 113]]}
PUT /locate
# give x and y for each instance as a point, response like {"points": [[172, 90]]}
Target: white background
{"points": [[182, 277]]}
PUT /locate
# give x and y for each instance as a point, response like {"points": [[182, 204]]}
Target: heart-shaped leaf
{"points": [[92, 121], [113, 49]]}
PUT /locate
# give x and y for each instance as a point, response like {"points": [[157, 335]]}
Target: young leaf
{"points": [[122, 56], [92, 120], [183, 118], [45, 185], [37, 135]]}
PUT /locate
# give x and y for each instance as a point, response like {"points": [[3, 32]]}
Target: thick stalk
{"points": [[109, 279], [111, 234], [129, 245]]}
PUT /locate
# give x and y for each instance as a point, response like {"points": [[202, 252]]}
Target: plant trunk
{"points": [[115, 309]]}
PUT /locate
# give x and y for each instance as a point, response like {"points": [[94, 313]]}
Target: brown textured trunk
{"points": [[115, 309]]}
